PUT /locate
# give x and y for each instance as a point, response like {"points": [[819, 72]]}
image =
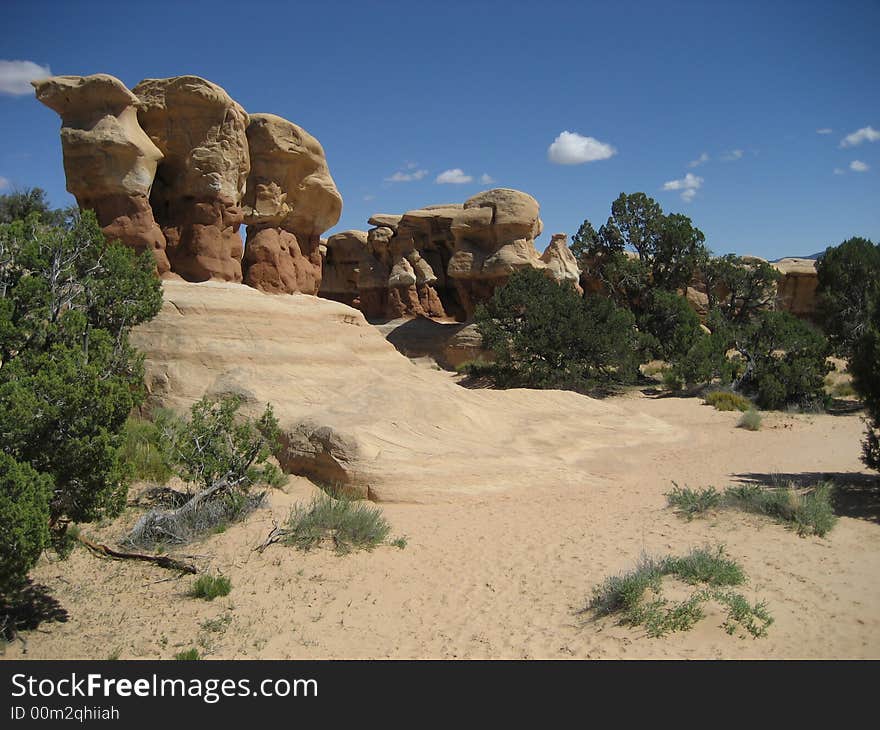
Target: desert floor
{"points": [[505, 575]]}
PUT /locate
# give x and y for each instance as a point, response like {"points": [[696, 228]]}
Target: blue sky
{"points": [[485, 88]]}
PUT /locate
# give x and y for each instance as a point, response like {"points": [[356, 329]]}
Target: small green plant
{"points": [[725, 400], [114, 655], [809, 511], [704, 565], [750, 420], [690, 502], [399, 542], [142, 451], [218, 624], [753, 618], [190, 655], [210, 587], [350, 525], [637, 597]]}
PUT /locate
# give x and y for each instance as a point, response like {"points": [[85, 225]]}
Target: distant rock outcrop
{"points": [[199, 184], [109, 161], [290, 201], [441, 260], [796, 290]]}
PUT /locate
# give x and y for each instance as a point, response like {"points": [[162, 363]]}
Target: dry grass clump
{"points": [[726, 400]]}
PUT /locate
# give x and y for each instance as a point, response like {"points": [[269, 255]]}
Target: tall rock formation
{"points": [[289, 202], [109, 162], [494, 237], [199, 184]]}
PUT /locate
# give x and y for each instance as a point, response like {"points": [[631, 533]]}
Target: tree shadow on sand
{"points": [[32, 606], [855, 494]]}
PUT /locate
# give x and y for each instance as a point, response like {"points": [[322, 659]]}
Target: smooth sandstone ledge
{"points": [[355, 411]]}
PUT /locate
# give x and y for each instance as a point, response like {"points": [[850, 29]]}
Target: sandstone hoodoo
{"points": [[441, 260], [199, 184], [176, 166], [109, 161], [290, 201]]}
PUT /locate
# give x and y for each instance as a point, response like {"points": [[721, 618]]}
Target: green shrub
{"points": [[143, 451], [725, 400], [865, 369], [751, 420], [809, 511], [216, 444], [848, 284], [786, 362], [210, 587], [24, 520], [636, 597], [690, 502], [189, 655], [704, 565], [69, 375], [350, 525], [226, 455], [544, 335], [669, 323]]}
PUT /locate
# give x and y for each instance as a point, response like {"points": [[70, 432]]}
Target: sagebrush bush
{"points": [[636, 596], [725, 400], [809, 511], [690, 502], [209, 587], [350, 525], [751, 420]]}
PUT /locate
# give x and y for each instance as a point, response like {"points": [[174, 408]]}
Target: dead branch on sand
{"points": [[163, 561]]}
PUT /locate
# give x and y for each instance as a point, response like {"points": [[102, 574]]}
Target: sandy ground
{"points": [[504, 574]]}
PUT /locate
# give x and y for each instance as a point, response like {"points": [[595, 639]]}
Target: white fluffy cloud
{"points": [[701, 160], [858, 166], [407, 176], [486, 179], [16, 76], [865, 134], [571, 148], [824, 130], [455, 176], [688, 185], [732, 155]]}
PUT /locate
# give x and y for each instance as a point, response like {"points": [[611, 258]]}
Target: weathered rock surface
{"points": [[336, 386], [199, 184], [346, 252], [796, 290], [495, 237], [560, 262], [109, 161], [289, 202], [442, 260]]}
